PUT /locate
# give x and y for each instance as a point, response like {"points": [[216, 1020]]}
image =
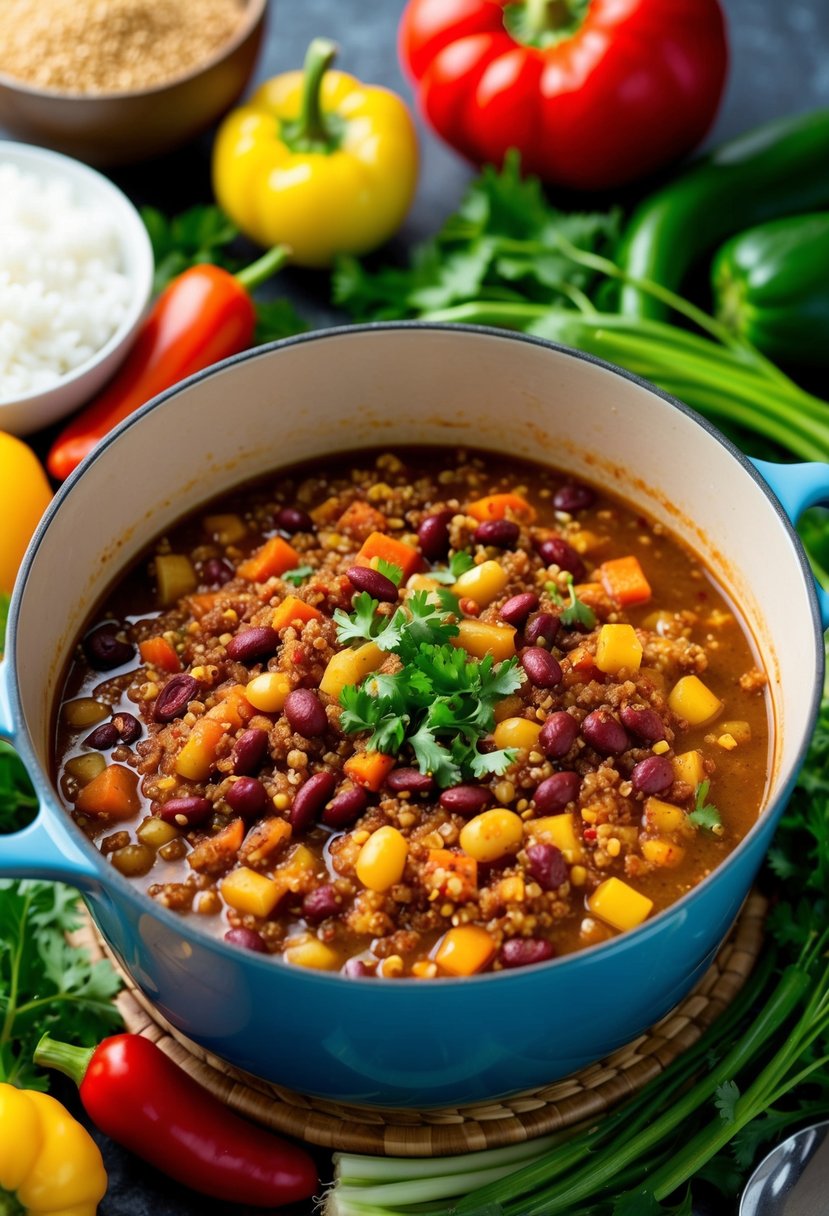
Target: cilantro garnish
{"points": [[297, 575], [440, 703], [576, 612], [459, 563], [705, 814], [390, 570]]}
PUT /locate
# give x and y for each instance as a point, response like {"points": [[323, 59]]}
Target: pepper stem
{"points": [[312, 128], [263, 267], [65, 1057], [545, 15], [10, 1205]]}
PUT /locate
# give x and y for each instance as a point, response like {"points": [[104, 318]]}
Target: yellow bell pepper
{"points": [[318, 162], [48, 1162], [24, 496]]}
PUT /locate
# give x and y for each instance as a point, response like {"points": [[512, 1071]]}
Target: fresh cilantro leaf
{"points": [[705, 815], [427, 625], [276, 319], [448, 601], [432, 757], [297, 575], [390, 570], [18, 801], [200, 234], [576, 612], [726, 1098], [459, 563], [367, 625], [497, 762]]}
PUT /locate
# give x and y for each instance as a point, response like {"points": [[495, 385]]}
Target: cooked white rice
{"points": [[63, 290]]}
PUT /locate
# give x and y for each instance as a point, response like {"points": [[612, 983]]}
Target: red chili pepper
{"points": [[592, 95], [141, 1099], [202, 316]]}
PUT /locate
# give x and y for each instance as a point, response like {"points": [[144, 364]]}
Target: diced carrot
{"points": [[369, 769], [624, 581], [495, 506], [158, 653], [215, 854], [198, 756], [380, 547], [234, 709], [453, 875], [272, 559], [359, 520], [200, 605], [293, 609], [265, 840], [582, 660], [113, 793]]}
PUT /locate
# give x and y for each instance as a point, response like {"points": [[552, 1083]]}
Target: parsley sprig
{"points": [[440, 703]]}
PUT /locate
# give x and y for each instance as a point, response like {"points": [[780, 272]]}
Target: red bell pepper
{"points": [[593, 93], [202, 316], [137, 1096]]}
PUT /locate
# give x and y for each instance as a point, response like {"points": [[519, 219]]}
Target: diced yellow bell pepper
{"points": [[250, 892], [382, 859], [619, 905], [692, 700], [688, 767], [464, 950], [198, 756], [740, 731], [225, 529], [559, 830], [311, 952], [350, 667], [482, 583], [478, 639], [517, 732], [175, 577], [618, 647], [662, 852], [665, 817]]}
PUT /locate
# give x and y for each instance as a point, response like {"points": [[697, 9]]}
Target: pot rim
{"points": [[110, 878]]}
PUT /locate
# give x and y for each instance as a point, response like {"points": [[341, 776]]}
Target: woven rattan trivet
{"points": [[409, 1133]]}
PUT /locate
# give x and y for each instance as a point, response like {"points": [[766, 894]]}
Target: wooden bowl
{"points": [[122, 128]]}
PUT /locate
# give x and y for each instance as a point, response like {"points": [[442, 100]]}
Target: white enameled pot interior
{"points": [[393, 386]]}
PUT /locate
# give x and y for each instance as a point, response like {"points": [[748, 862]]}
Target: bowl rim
{"points": [[254, 12], [49, 800], [131, 232]]}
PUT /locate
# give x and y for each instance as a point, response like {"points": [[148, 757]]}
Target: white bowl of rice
{"points": [[76, 270]]}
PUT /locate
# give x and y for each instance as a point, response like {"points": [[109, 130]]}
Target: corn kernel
{"points": [[482, 583], [349, 667], [559, 830], [247, 891], [661, 747], [740, 731], [688, 767], [382, 859], [423, 970], [391, 968], [268, 691], [478, 639], [492, 834], [578, 876], [692, 700], [727, 742], [613, 847], [505, 791], [618, 647], [464, 950], [311, 952], [619, 905], [662, 852], [517, 732]]}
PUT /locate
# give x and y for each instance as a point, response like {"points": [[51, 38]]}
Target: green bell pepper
{"points": [[771, 286]]}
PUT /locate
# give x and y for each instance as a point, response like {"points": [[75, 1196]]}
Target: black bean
{"points": [[102, 737], [516, 610], [216, 571], [249, 939], [321, 903], [310, 798], [554, 793], [410, 780], [605, 733], [524, 951], [433, 536], [376, 584], [541, 667], [573, 497], [555, 551], [253, 643], [558, 734], [644, 722], [305, 712], [500, 533], [174, 698], [292, 520], [128, 727], [345, 808], [249, 751], [653, 775], [247, 797], [187, 811], [547, 866], [466, 800], [103, 649]]}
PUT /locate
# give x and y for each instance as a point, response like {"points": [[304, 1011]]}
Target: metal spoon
{"points": [[793, 1180]]}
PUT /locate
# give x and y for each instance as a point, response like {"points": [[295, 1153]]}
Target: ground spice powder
{"points": [[111, 46]]}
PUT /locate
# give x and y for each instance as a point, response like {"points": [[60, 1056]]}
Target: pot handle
{"points": [[46, 848], [798, 486]]}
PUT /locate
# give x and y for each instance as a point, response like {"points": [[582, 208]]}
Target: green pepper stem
{"points": [[543, 16], [263, 268], [312, 127], [65, 1057]]}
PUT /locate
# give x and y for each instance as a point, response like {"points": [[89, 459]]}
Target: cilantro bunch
{"points": [[440, 703]]}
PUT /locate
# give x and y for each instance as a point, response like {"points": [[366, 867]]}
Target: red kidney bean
{"points": [[345, 808], [305, 712], [554, 793], [190, 808], [310, 798], [558, 734], [321, 903], [249, 751], [547, 866], [500, 533], [543, 670], [253, 643], [249, 939], [292, 520], [215, 572], [102, 737], [128, 727], [174, 698], [466, 800], [524, 951], [646, 723], [376, 584], [556, 552], [573, 497], [355, 968], [540, 630], [103, 649], [516, 610], [653, 775], [433, 535], [247, 797], [605, 733], [410, 780]]}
